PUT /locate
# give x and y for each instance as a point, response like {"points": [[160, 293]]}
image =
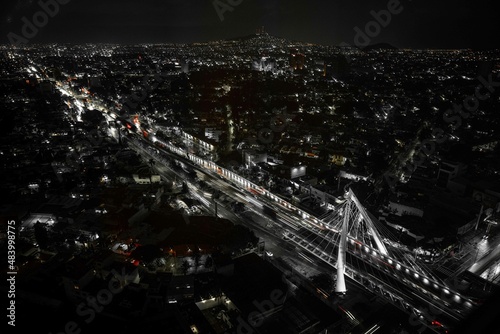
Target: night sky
{"points": [[421, 23]]}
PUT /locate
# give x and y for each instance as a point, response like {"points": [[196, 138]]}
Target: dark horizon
{"points": [[447, 25]]}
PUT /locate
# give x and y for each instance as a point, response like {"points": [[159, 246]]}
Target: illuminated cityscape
{"points": [[249, 184]]}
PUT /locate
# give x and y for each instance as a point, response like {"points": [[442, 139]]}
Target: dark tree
{"points": [[209, 262], [185, 267], [196, 257]]}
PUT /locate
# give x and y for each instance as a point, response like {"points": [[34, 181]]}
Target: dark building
{"points": [[297, 59]]}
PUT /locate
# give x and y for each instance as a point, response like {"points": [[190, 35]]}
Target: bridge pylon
{"points": [[356, 224], [340, 286]]}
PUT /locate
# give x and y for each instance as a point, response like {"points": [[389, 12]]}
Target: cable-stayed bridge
{"points": [[362, 249]]}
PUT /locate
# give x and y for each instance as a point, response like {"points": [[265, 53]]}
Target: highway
{"points": [[394, 282], [398, 283]]}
